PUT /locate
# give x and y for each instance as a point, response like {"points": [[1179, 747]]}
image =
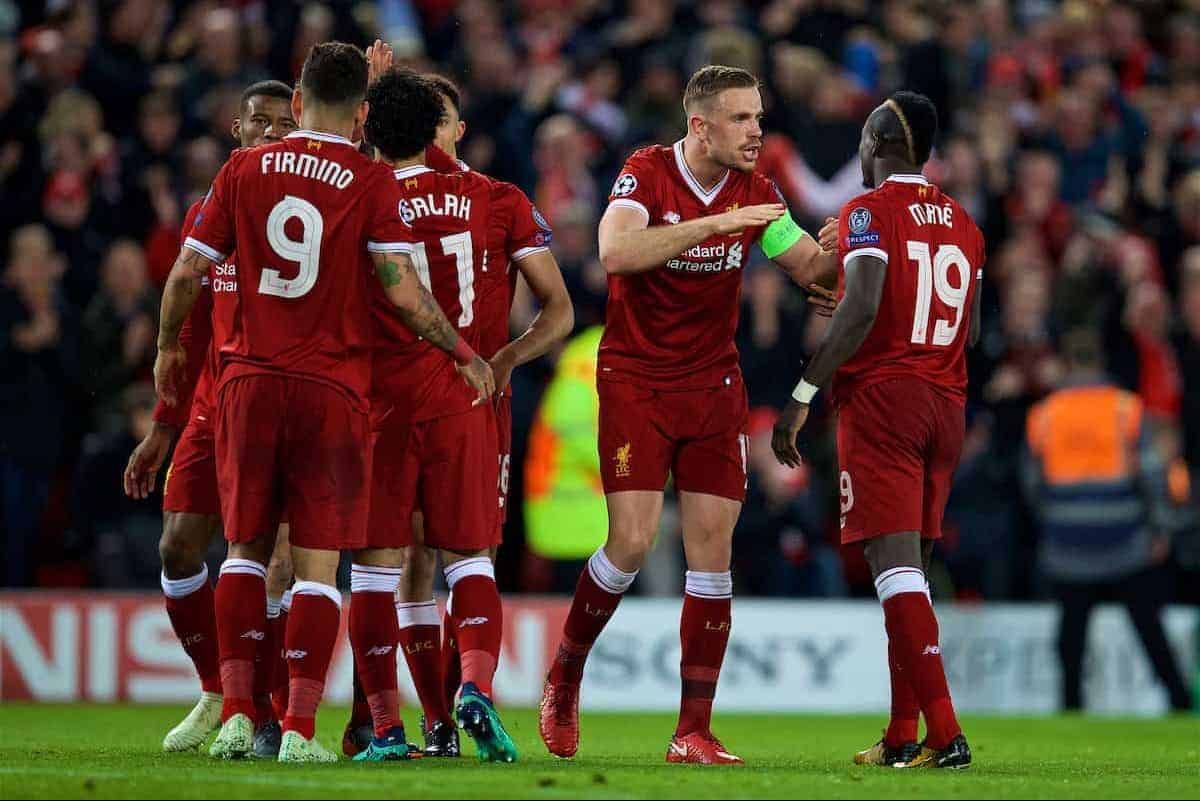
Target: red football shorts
{"points": [[504, 437], [697, 436], [191, 483], [447, 468], [285, 442], [898, 445]]}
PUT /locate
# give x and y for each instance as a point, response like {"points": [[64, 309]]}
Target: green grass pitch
{"points": [[89, 751]]}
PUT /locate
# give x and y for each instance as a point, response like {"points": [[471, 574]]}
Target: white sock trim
{"points": [[317, 588], [419, 613], [708, 585], [246, 566], [610, 577], [369, 578], [285, 603], [181, 588], [475, 566], [898, 580], [273, 606]]}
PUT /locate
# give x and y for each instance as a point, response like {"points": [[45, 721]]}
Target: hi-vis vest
{"points": [[565, 514]]}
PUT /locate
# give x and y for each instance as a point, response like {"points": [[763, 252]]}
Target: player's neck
{"points": [[402, 164], [707, 172], [320, 122], [886, 168]]}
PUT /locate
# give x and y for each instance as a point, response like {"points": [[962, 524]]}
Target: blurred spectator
{"points": [[119, 535], [119, 331], [1099, 487], [38, 345]]}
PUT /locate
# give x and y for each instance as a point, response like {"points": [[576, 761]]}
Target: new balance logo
{"points": [[594, 612], [380, 650], [472, 621], [294, 654], [931, 650], [679, 749], [254, 635]]}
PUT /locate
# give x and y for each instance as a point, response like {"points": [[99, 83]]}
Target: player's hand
{"points": [[827, 237], [731, 222], [146, 460], [379, 60], [787, 427], [824, 301], [479, 375], [168, 372], [503, 364]]}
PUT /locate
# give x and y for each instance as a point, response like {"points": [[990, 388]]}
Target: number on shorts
{"points": [[934, 276], [305, 251], [505, 464], [847, 492], [458, 246]]}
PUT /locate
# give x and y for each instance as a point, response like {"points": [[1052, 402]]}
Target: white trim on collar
{"points": [[706, 196], [318, 135], [907, 179], [409, 172]]}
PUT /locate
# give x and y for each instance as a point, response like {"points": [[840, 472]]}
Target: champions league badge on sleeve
{"points": [[860, 224], [625, 185]]}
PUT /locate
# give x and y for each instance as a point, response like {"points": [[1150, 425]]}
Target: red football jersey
{"points": [[304, 214], [934, 253], [449, 214], [517, 230], [673, 327]]}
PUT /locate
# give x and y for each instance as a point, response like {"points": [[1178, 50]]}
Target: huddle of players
{"points": [[295, 377]]}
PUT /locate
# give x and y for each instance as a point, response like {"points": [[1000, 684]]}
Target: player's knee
{"points": [[181, 549], [631, 543]]}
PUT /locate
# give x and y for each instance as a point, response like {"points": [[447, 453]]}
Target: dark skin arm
{"points": [[552, 324], [851, 323], [420, 312], [179, 295]]}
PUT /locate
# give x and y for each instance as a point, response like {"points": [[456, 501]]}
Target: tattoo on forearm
{"points": [[428, 321], [391, 272]]}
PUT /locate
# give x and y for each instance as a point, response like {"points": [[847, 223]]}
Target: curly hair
{"points": [[404, 113]]}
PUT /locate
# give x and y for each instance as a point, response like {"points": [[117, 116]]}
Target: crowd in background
{"points": [[1070, 131]]}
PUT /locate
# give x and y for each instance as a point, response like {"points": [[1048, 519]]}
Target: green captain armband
{"points": [[781, 235]]}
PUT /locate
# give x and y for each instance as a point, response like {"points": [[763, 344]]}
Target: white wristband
{"points": [[804, 392]]}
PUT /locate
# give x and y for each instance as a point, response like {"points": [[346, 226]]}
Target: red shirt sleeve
{"points": [[212, 232], [862, 230], [528, 231], [195, 335], [386, 230], [636, 186]]}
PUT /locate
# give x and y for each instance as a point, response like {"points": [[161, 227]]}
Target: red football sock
{"points": [[906, 708], [420, 637], [264, 668], [597, 595], [373, 636], [279, 669], [451, 664], [193, 616], [311, 634], [360, 711], [478, 619], [703, 635], [240, 601], [912, 625]]}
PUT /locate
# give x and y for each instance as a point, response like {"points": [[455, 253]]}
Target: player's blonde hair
{"points": [[708, 82]]}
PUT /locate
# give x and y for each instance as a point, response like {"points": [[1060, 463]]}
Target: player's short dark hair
{"points": [[277, 89], [405, 110], [447, 88], [708, 82], [335, 73], [918, 127]]}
